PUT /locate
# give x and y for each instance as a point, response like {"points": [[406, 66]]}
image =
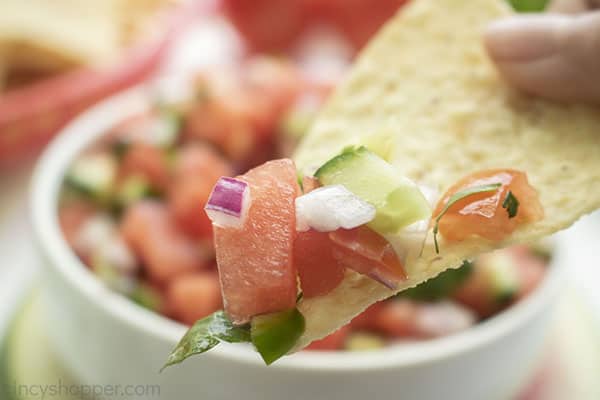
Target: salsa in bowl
{"points": [[132, 209], [131, 342]]}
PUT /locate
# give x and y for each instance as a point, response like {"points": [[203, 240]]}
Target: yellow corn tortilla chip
{"points": [[426, 89]]}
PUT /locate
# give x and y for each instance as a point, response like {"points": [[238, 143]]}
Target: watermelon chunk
{"points": [[255, 262]]}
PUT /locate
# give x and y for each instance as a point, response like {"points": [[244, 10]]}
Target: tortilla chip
{"points": [[426, 86], [47, 34]]}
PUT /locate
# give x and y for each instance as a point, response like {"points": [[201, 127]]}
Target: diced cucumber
{"points": [[147, 297], [275, 334], [502, 275], [362, 341], [109, 275], [93, 175], [166, 129], [131, 190], [398, 200]]}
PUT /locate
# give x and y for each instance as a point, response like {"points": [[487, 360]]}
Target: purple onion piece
{"points": [[228, 203], [385, 280]]}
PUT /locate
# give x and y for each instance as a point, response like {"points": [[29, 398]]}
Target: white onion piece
{"points": [[228, 203], [93, 233], [444, 318], [409, 242], [117, 254], [431, 194], [329, 208]]}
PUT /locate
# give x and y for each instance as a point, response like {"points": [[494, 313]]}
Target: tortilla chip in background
{"points": [[426, 89], [48, 34]]}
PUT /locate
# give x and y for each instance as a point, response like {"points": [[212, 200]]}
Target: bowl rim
{"points": [[89, 126]]}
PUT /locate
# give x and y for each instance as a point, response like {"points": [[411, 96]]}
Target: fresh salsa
{"points": [[163, 211]]}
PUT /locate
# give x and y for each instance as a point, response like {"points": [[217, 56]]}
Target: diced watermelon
{"points": [[187, 198], [199, 159], [319, 271], [193, 297], [195, 171], [255, 262], [365, 321], [334, 341], [397, 318], [166, 252], [368, 253]]}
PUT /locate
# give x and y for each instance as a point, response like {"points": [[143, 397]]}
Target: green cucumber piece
{"points": [[529, 5], [398, 201], [275, 334], [93, 175], [131, 190], [147, 297], [167, 133], [363, 341], [502, 275]]}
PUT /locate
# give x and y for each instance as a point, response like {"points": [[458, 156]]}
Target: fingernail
{"points": [[524, 38]]}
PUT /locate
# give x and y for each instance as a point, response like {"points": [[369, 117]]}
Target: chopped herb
{"points": [[511, 204], [528, 5], [206, 334], [457, 197]]}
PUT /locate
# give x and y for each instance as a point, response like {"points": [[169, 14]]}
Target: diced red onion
{"points": [[329, 208], [384, 279], [228, 203]]}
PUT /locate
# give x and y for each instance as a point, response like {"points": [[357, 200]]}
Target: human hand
{"points": [[556, 55]]}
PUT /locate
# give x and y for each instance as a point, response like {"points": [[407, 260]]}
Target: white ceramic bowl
{"points": [[103, 338]]}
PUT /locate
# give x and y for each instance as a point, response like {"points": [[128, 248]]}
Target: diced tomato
{"points": [[148, 162], [397, 318], [192, 297], [255, 262], [482, 214], [334, 341], [319, 271], [200, 160], [187, 198], [368, 253], [165, 252]]}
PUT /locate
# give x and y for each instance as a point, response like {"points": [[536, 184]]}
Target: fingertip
{"points": [[523, 38]]}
